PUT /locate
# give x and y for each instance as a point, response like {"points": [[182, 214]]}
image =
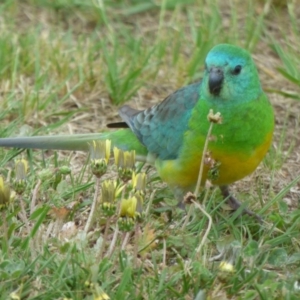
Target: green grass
{"points": [[289, 57], [62, 60]]}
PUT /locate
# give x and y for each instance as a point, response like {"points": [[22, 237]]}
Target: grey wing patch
{"points": [[129, 115], [161, 127]]}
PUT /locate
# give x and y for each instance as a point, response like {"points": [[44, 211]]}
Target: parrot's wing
{"points": [[161, 127]]}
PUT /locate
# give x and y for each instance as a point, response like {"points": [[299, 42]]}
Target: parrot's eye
{"points": [[237, 70]]}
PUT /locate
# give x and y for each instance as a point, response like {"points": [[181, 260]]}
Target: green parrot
{"points": [[171, 135]]}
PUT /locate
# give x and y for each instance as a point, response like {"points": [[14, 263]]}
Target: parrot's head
{"points": [[230, 75]]}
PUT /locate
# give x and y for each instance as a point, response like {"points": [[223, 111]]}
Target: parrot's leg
{"points": [[235, 204]]}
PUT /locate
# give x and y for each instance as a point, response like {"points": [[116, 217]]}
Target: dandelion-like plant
{"points": [[4, 194], [100, 153], [20, 182], [99, 156], [125, 162]]}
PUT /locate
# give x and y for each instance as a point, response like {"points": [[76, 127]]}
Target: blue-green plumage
{"points": [[161, 127]]}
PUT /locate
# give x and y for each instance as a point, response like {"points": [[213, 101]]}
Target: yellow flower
{"points": [[100, 153], [4, 194], [128, 207], [139, 181], [100, 149], [21, 167], [226, 267], [130, 211], [108, 191], [99, 294], [108, 194], [132, 207], [125, 161]]}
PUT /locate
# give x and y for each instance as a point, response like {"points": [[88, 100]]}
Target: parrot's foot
{"points": [[235, 204]]}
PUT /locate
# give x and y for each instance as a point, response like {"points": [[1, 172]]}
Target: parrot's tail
{"points": [[123, 139]]}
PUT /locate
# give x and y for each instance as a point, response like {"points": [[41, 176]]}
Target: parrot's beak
{"points": [[215, 80]]}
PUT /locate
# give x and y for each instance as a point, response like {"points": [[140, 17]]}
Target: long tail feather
{"points": [[123, 139], [59, 142]]}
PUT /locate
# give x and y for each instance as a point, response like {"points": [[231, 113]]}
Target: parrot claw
{"points": [[235, 204]]}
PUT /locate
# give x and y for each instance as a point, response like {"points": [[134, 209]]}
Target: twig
{"points": [[202, 159], [113, 242], [204, 238], [187, 217], [125, 240], [150, 202], [104, 238], [93, 208]]}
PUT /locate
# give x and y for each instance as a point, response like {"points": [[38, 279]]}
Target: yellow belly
{"points": [[228, 167]]}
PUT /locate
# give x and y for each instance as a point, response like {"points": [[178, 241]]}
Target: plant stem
{"points": [[93, 208]]}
